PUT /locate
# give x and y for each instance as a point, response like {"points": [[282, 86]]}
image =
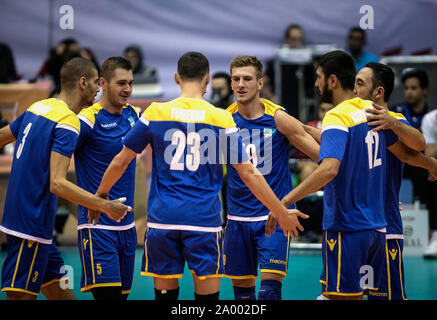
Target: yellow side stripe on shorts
{"points": [[31, 266], [18, 262]]}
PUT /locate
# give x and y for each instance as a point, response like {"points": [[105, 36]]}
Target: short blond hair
{"points": [[246, 61]]}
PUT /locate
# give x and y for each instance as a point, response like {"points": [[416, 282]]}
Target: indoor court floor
{"points": [[301, 283]]}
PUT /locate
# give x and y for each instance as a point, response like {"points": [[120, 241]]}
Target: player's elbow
{"points": [[419, 145], [56, 186]]}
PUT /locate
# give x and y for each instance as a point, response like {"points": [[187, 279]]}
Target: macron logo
{"points": [[109, 125]]}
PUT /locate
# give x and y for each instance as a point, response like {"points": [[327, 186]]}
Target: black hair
{"points": [[360, 30], [340, 64], [290, 27], [383, 76], [193, 66], [225, 76], [74, 69], [420, 74], [112, 63]]}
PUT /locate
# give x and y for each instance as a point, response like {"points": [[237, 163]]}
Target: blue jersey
{"points": [[188, 137], [354, 199], [268, 150], [100, 140], [30, 209], [395, 169]]}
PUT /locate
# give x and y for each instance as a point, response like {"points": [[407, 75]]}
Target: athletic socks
{"points": [[241, 293], [270, 290], [212, 296], [167, 294]]}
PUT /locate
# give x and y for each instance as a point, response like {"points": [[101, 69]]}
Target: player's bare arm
{"points": [[6, 136], [60, 186], [326, 171], [296, 134], [379, 118], [313, 132], [255, 181], [415, 158]]}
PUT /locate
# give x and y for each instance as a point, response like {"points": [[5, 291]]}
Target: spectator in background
{"points": [[67, 49], [356, 41], [142, 72], [8, 72], [414, 108], [429, 130], [293, 38], [221, 96]]}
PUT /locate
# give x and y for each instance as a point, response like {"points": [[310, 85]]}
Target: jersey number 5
{"points": [[373, 138], [23, 141]]}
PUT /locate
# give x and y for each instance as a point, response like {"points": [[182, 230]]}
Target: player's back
{"points": [[354, 199], [30, 208], [100, 140], [268, 151], [185, 136]]}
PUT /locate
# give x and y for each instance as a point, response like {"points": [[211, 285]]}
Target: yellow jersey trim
{"points": [[283, 273], [57, 111], [169, 276], [53, 281], [269, 107], [98, 285], [347, 114], [6, 289], [189, 110], [240, 277]]}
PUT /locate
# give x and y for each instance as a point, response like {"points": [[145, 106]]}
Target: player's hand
{"points": [[116, 210], [433, 171], [271, 225], [400, 206], [93, 215], [379, 118], [290, 224]]}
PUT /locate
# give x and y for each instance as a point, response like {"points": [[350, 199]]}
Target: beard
{"points": [[326, 94]]}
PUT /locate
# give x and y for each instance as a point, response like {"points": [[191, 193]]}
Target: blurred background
{"points": [[288, 36]]}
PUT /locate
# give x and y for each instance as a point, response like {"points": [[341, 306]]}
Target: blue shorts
{"points": [[165, 253], [246, 246], [30, 266], [391, 285], [352, 261], [107, 257]]}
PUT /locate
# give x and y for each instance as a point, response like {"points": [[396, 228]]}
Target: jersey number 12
{"points": [[373, 138]]}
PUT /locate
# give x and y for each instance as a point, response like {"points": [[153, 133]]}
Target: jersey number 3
{"points": [[23, 141], [373, 138]]}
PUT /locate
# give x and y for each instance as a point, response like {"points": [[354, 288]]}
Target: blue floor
{"points": [[301, 283]]}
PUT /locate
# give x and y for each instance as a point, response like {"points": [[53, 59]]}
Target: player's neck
{"points": [[105, 104], [192, 90], [382, 103], [341, 95], [73, 100], [252, 109]]}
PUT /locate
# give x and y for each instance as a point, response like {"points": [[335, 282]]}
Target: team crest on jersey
{"points": [[268, 132], [131, 121]]}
